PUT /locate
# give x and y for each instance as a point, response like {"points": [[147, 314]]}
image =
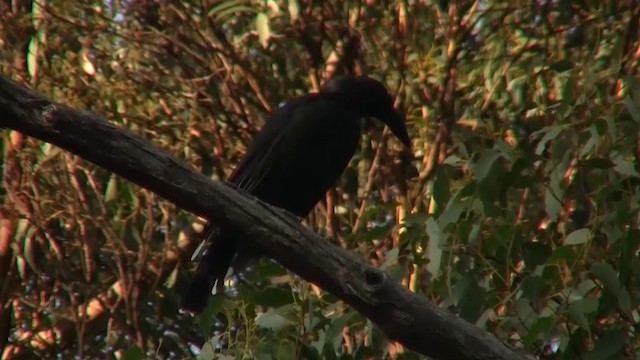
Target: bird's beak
{"points": [[395, 122]]}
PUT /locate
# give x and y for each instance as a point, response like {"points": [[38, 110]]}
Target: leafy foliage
{"points": [[517, 209]]}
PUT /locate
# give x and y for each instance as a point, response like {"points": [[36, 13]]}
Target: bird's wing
{"points": [[272, 140], [255, 165]]}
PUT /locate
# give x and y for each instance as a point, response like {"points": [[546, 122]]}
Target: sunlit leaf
{"points": [[171, 279], [434, 249], [272, 320], [263, 28], [228, 8], [294, 9], [86, 63], [625, 167], [111, 191], [577, 237], [32, 56]]}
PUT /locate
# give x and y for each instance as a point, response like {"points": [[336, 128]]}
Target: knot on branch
{"points": [[374, 279], [49, 116]]}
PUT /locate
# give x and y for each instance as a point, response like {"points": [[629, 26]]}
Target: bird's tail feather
{"points": [[211, 270]]}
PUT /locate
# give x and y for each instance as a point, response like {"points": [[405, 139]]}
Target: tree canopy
{"points": [[517, 210]]}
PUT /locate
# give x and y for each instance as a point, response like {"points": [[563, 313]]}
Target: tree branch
{"points": [[402, 315]]}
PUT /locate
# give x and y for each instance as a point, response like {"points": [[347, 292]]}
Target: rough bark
{"points": [[404, 316]]}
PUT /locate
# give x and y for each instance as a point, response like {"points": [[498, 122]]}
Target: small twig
{"points": [[375, 163]]}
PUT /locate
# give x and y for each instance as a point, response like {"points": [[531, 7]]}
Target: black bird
{"points": [[297, 156]]}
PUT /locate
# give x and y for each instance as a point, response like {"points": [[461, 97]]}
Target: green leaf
{"points": [[609, 344], [309, 353], [208, 350], [607, 276], [208, 316], [598, 163], [578, 237], [625, 167], [31, 250], [630, 242], [472, 301], [111, 192], [552, 205], [579, 310], [517, 89], [133, 353], [451, 214], [334, 331], [561, 65], [624, 299], [482, 166], [533, 287], [524, 310], [284, 351], [562, 254], [391, 258], [417, 218], [588, 147], [441, 189], [535, 253], [434, 249], [273, 296], [374, 233], [454, 161], [50, 151], [539, 328], [294, 9], [272, 320], [227, 8], [263, 28], [364, 353], [632, 109], [32, 56], [171, 279], [550, 133]]}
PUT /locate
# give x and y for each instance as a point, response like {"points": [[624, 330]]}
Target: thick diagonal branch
{"points": [[402, 315]]}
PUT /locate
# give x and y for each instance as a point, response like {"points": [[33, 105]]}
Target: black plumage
{"points": [[298, 155]]}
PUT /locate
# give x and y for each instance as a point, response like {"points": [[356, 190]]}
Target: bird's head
{"points": [[371, 98]]}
